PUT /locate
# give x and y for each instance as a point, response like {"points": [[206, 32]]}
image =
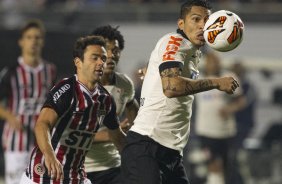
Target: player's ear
{"points": [[180, 24], [77, 62]]}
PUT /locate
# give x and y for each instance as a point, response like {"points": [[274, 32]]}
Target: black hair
{"points": [[187, 5], [34, 23], [110, 33], [82, 42]]}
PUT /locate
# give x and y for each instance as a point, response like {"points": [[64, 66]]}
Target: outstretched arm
{"points": [[175, 85], [10, 118], [46, 120]]}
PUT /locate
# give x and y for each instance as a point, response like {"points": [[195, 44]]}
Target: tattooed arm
{"points": [[175, 85]]}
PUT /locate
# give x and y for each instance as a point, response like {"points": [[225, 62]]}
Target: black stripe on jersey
{"points": [[62, 126], [70, 155], [66, 181], [170, 64], [18, 93], [86, 115], [46, 180], [13, 141], [31, 76]]}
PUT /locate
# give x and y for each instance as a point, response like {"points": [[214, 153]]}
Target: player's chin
{"points": [[200, 43], [109, 70]]}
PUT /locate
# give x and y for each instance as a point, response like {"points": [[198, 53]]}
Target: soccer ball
{"points": [[223, 31]]}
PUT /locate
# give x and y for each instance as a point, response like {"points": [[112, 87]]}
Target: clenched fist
{"points": [[227, 84]]}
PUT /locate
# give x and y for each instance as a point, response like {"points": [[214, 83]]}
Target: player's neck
{"points": [[31, 60], [90, 85], [107, 79]]}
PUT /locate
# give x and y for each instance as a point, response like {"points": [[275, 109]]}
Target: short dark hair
{"points": [[34, 23], [186, 6], [110, 33], [82, 42]]}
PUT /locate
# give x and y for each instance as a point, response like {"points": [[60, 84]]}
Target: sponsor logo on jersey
{"points": [[78, 139], [171, 48], [61, 91]]}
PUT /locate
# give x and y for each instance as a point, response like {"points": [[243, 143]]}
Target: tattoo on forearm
{"points": [[200, 86]]}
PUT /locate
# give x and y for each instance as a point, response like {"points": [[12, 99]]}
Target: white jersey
{"points": [[209, 122], [167, 120], [103, 156]]}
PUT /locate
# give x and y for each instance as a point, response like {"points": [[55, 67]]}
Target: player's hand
{"points": [[14, 122], [228, 84], [125, 125], [142, 73], [54, 167]]}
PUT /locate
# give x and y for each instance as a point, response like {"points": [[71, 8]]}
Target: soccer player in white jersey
{"points": [[102, 162], [72, 113], [24, 87], [215, 121], [155, 142]]}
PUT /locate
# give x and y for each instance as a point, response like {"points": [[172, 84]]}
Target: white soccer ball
{"points": [[223, 31]]}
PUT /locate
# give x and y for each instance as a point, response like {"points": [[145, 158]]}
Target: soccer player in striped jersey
{"points": [[24, 87], [155, 142], [73, 111], [102, 162]]}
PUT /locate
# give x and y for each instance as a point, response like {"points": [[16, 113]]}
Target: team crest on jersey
{"points": [[39, 169]]}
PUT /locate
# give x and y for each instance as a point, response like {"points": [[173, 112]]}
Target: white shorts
{"points": [[26, 180], [15, 165]]}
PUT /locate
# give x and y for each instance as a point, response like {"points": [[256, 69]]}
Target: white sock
{"points": [[215, 178]]}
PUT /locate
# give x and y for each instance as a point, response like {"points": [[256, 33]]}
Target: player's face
{"points": [[91, 68], [113, 52], [194, 23], [31, 42]]}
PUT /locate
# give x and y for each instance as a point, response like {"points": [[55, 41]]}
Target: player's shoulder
{"points": [[172, 40], [49, 64], [173, 36], [63, 88], [8, 70], [70, 80]]}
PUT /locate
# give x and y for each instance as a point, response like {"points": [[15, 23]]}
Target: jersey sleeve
{"points": [[111, 120], [5, 85], [60, 97], [172, 50], [130, 90]]}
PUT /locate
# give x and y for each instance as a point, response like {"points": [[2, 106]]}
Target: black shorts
{"points": [[218, 148], [110, 176], [144, 161]]}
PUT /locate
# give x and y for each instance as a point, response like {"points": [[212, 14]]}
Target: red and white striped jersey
{"points": [[80, 113], [24, 89]]}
